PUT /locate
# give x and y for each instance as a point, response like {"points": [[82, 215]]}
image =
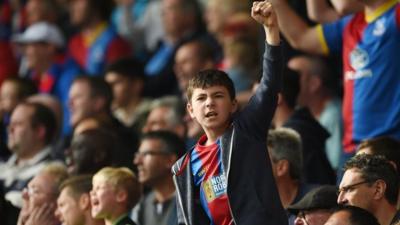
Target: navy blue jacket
{"points": [[252, 193]]}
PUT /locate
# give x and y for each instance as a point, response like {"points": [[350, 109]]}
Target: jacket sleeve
{"points": [[256, 117]]}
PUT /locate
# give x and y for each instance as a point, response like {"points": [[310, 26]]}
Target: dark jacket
{"points": [[252, 193], [316, 167]]}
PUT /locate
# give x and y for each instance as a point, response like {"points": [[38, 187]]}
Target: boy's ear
{"points": [[234, 105], [84, 201], [189, 108], [121, 195]]}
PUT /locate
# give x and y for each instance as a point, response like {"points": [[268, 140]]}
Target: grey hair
{"points": [[176, 108], [285, 144]]}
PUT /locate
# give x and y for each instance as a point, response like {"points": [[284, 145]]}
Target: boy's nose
{"points": [[209, 102]]}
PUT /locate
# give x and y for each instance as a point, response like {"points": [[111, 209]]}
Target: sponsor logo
{"points": [[380, 27], [214, 187], [359, 58], [354, 75]]}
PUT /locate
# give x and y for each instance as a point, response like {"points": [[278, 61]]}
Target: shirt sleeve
{"points": [[331, 35]]}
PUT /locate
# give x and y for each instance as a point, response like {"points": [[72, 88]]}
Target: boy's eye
{"points": [[200, 98]]}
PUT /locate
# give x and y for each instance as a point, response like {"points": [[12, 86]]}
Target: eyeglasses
{"points": [[150, 152], [352, 186]]}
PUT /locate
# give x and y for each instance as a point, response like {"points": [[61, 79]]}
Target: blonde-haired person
{"points": [[114, 193], [40, 196]]}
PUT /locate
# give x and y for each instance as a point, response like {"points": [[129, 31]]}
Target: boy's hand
{"points": [[264, 14]]}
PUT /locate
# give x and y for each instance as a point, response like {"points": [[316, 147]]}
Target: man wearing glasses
{"points": [[371, 182], [315, 207], [157, 153]]}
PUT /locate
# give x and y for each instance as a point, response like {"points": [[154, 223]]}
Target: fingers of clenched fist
{"points": [[263, 13]]}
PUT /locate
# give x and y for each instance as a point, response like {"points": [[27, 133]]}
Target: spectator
{"points": [[13, 91], [316, 206], [91, 97], [90, 151], [115, 191], [73, 203], [364, 69], [157, 153], [226, 177], [386, 146], [318, 92], [285, 153], [218, 12], [190, 58], [351, 215], [40, 196], [322, 12], [97, 44], [55, 106], [371, 182], [166, 113], [30, 133], [126, 77], [42, 43], [241, 62], [181, 22], [140, 23], [316, 169], [42, 11]]}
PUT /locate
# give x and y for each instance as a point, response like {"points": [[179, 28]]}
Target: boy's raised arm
{"points": [[264, 14]]}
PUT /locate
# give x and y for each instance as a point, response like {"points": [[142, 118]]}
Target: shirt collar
{"points": [[33, 161], [370, 17]]}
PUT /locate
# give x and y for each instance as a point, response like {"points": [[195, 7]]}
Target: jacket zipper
{"points": [[227, 175]]}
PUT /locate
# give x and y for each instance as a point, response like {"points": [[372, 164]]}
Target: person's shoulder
{"points": [[126, 221], [181, 164]]}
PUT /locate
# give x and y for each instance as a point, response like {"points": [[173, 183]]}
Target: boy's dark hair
{"points": [[98, 88], [77, 185], [386, 146], [358, 216], [171, 142], [209, 78], [376, 167], [127, 67], [25, 87], [45, 117]]}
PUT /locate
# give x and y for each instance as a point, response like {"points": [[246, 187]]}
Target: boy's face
{"points": [[212, 107], [69, 211], [102, 198]]}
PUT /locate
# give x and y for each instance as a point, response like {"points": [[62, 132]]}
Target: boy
{"points": [[226, 178], [115, 191]]}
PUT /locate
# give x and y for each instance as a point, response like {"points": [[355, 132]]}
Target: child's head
{"points": [[209, 78], [211, 99], [114, 189]]}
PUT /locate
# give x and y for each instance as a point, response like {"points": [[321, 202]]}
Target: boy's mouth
{"points": [[211, 114], [95, 202]]}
